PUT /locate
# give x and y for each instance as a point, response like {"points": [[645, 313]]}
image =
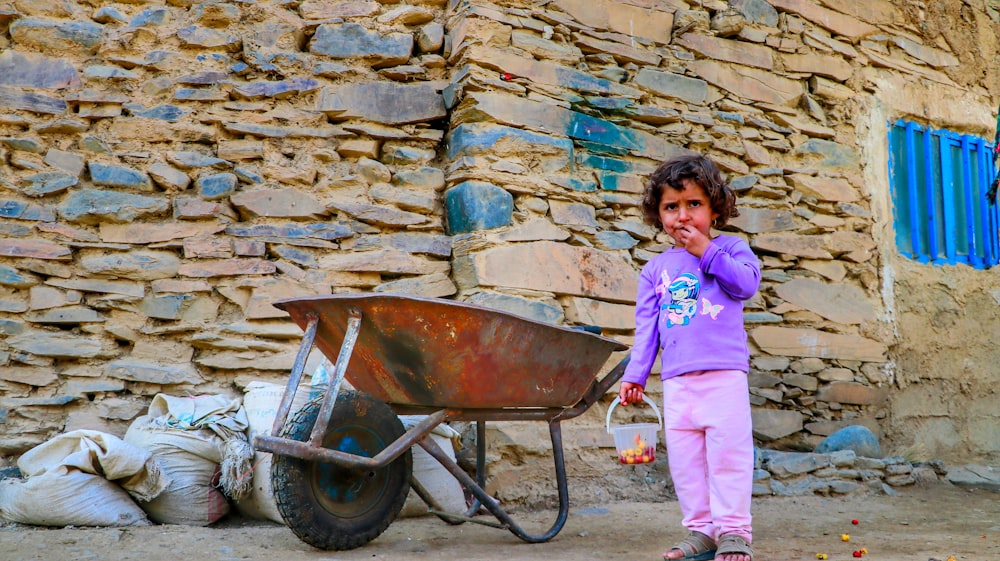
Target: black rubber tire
{"points": [[332, 507]]}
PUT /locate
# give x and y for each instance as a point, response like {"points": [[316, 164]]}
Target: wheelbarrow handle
{"points": [[596, 391], [611, 378]]}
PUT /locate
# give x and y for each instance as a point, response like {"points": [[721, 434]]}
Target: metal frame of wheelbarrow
{"points": [[312, 450]]}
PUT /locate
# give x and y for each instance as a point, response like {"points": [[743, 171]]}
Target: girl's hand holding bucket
{"points": [[636, 443]]}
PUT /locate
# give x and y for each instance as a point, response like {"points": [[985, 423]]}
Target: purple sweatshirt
{"points": [[693, 309]]}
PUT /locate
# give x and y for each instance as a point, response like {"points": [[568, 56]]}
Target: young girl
{"points": [[690, 304]]}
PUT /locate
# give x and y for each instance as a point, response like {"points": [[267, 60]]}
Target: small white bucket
{"points": [[636, 443]]}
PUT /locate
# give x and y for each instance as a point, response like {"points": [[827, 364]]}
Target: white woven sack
{"points": [[261, 404], [191, 458], [435, 479], [82, 478]]}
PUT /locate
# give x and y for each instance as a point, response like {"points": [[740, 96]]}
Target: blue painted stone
{"points": [[9, 276], [609, 103], [248, 175], [155, 16], [117, 176], [216, 186], [95, 204], [596, 148], [855, 437], [477, 138], [582, 185], [26, 211], [476, 205], [573, 79], [601, 162], [610, 181], [601, 131], [48, 183]]}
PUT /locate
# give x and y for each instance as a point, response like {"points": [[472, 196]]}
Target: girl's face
{"points": [[686, 209]]}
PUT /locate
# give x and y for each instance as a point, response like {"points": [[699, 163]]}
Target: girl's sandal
{"points": [[733, 544], [695, 547]]}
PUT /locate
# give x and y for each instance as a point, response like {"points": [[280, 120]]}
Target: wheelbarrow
{"points": [[342, 463]]}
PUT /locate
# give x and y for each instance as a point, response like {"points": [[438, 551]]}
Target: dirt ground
{"points": [[930, 521]]}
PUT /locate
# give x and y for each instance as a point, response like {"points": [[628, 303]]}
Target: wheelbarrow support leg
{"points": [[555, 431], [295, 379], [340, 369], [296, 376]]}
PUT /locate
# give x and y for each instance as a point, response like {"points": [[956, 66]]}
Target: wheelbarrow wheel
{"points": [[330, 506]]}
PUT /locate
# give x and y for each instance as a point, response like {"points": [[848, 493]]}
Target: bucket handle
{"points": [[607, 422]]}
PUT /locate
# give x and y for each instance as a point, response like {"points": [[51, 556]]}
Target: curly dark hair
{"points": [[699, 169]]}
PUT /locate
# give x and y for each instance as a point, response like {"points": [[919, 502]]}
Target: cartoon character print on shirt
{"points": [[683, 302]]}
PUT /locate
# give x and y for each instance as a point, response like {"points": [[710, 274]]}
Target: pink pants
{"points": [[710, 450]]}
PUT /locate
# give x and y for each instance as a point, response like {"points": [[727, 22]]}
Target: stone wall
{"points": [[169, 170]]}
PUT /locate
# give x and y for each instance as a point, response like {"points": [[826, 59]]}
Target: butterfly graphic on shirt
{"points": [[708, 308]]}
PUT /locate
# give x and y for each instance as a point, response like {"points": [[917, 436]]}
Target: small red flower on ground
{"points": [[855, 521]]}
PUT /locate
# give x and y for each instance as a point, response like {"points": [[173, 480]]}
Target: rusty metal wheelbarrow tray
{"points": [[440, 353], [450, 361]]}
